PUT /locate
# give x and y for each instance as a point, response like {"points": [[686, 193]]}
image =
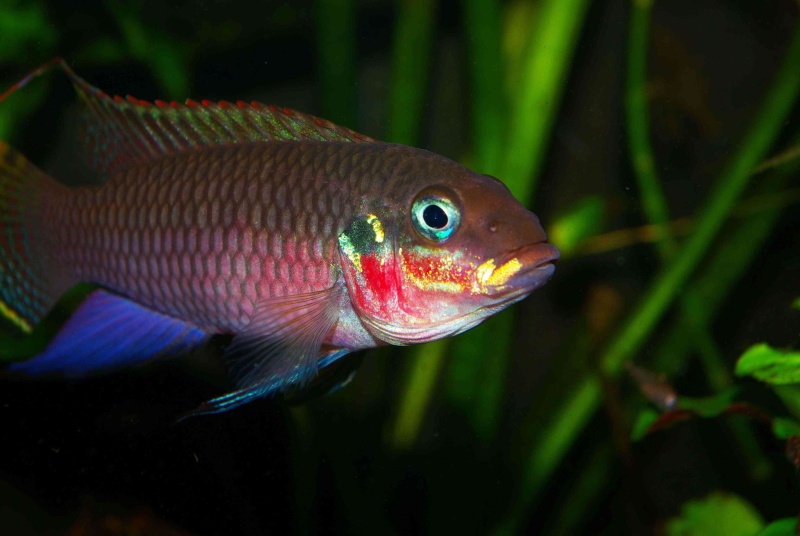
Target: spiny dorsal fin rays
{"points": [[121, 132]]}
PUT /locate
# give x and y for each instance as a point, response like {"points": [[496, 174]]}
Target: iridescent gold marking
{"points": [[377, 228], [482, 274], [501, 275], [350, 251], [15, 318], [490, 275]]}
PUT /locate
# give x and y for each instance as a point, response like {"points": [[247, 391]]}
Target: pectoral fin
{"points": [[280, 348]]}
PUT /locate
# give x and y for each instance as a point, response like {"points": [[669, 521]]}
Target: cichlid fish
{"points": [[302, 239]]}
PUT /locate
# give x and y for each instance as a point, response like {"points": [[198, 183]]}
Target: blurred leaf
{"points": [[27, 34], [709, 406], [769, 364], [167, 58], [550, 35], [585, 219], [103, 50], [796, 304], [489, 105], [719, 514], [782, 527], [784, 428], [517, 18], [641, 153], [790, 396], [411, 53], [336, 59], [26, 30], [423, 375], [643, 422], [478, 369], [18, 106]]}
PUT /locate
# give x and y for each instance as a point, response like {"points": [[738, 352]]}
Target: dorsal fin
{"points": [[121, 132]]}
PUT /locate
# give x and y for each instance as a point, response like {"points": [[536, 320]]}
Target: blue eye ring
{"points": [[435, 217]]}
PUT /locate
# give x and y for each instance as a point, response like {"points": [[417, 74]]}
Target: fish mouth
{"points": [[519, 271]]}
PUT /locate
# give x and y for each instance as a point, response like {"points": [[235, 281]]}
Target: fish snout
{"points": [[518, 271]]}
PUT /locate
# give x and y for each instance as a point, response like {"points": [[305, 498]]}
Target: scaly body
{"points": [[302, 239]]}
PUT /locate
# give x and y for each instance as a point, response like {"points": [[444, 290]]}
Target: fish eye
{"points": [[435, 217]]}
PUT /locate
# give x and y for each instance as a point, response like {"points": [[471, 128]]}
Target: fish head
{"points": [[455, 251]]}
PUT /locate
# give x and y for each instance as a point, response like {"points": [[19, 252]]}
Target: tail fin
{"points": [[28, 286]]}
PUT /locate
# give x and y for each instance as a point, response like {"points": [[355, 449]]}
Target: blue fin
{"points": [[335, 372], [108, 331], [281, 348]]}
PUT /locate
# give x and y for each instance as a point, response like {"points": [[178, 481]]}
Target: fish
{"points": [[303, 240]]}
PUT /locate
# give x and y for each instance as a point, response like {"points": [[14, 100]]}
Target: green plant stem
{"points": [[336, 49], [720, 274], [655, 207], [653, 200], [723, 270], [581, 496], [761, 135], [423, 376], [484, 33], [566, 424], [553, 35], [638, 123], [410, 62], [478, 373]]}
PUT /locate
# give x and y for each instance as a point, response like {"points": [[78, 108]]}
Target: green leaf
{"points": [[790, 396], [719, 514], [709, 406], [796, 304], [26, 29], [770, 365], [582, 221], [784, 428], [782, 527], [643, 422]]}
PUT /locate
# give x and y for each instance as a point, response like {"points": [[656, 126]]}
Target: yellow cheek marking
{"points": [[501, 275], [377, 228], [483, 273], [15, 318], [488, 274]]}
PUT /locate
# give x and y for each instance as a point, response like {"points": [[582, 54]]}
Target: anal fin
{"points": [[107, 332]]}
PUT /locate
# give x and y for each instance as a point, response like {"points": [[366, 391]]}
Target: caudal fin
{"points": [[28, 285]]}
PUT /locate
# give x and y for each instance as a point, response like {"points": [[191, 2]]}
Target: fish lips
{"points": [[520, 271]]}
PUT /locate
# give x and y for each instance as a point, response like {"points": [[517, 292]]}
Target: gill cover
{"points": [[368, 261]]}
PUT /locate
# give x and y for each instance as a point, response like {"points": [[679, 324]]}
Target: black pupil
{"points": [[435, 217]]}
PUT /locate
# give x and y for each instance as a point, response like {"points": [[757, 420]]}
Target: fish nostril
{"points": [[493, 227]]}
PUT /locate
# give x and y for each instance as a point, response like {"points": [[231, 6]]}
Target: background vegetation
{"points": [[658, 143]]}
